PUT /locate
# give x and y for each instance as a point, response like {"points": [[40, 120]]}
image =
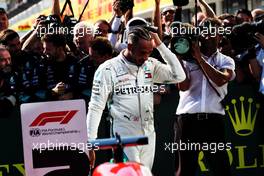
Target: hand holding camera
{"points": [[259, 38]]}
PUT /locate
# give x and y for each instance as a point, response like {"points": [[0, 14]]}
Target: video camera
{"points": [[242, 37], [54, 23], [51, 20], [182, 37]]}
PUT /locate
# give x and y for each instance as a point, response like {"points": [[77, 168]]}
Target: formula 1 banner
{"points": [[54, 133]]}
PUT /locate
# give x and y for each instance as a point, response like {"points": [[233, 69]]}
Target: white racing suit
{"points": [[128, 90]]}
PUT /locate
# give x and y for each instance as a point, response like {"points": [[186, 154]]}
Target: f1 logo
{"points": [[49, 117]]}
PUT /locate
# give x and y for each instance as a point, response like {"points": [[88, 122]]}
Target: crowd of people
{"points": [[111, 62]]}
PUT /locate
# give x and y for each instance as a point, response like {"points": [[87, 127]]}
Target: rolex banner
{"points": [[52, 133], [244, 130]]}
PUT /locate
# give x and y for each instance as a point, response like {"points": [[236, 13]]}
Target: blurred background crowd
{"points": [[56, 60]]}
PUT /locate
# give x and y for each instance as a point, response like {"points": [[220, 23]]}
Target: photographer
{"points": [[244, 49], [200, 114], [31, 40]]}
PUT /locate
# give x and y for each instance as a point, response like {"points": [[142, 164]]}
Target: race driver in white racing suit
{"points": [[126, 84]]}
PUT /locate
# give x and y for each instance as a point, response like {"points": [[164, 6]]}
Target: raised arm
{"points": [[157, 18], [170, 72], [55, 7], [219, 77], [206, 9]]}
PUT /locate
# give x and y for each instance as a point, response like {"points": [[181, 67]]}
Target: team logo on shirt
{"points": [[147, 72]]}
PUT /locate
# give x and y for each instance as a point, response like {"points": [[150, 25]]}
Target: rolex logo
{"points": [[243, 122]]}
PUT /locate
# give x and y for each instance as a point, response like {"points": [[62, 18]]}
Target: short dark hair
{"points": [[226, 16], [137, 33], [104, 22], [2, 11], [244, 11], [57, 40], [7, 35], [102, 46]]}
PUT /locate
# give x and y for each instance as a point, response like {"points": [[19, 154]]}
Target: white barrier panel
{"points": [[51, 126]]}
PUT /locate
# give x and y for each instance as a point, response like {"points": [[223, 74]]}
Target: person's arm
{"points": [[115, 23], [102, 87], [219, 77], [30, 42], [206, 9], [55, 8], [157, 18], [184, 85], [170, 72], [128, 15], [34, 37], [255, 69], [26, 36]]}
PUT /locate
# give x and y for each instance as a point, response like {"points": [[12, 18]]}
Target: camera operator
{"points": [[8, 83], [244, 49], [32, 42], [200, 114]]}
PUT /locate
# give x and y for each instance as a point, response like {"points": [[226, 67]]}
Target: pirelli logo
{"points": [[63, 117]]}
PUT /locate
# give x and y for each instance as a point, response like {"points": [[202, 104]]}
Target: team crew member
{"points": [[60, 67], [126, 84], [8, 83]]}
